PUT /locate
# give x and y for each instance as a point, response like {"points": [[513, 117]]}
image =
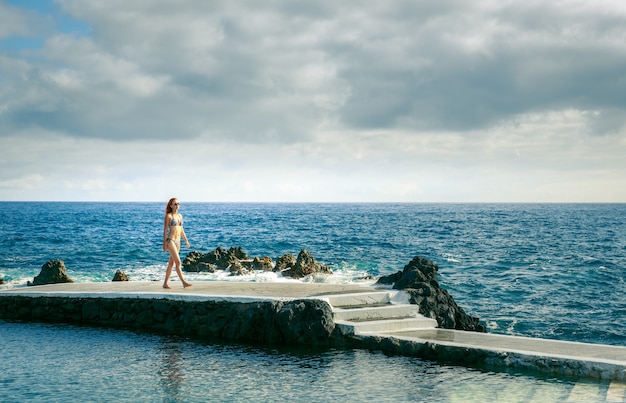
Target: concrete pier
{"points": [[362, 316]]}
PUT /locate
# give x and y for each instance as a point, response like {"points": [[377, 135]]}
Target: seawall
{"points": [[235, 318], [303, 314], [230, 321]]}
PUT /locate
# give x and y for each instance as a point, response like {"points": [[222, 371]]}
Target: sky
{"points": [[313, 101]]}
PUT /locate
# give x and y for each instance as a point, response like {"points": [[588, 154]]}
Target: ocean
{"points": [[540, 270]]}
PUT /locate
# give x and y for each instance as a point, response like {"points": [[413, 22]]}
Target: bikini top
{"points": [[175, 223]]}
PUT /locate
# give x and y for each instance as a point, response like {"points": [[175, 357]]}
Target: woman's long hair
{"points": [[168, 208]]}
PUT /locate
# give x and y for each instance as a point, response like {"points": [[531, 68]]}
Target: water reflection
{"points": [[171, 371]]}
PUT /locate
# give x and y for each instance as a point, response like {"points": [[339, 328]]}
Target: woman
{"points": [[172, 231]]}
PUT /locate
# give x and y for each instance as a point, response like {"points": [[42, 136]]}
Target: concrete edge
{"points": [[145, 295], [501, 350], [459, 353]]}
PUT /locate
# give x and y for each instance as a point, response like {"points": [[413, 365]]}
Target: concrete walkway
{"points": [[365, 312], [205, 289]]}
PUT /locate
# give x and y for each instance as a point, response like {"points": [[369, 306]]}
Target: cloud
{"points": [[273, 72], [299, 100], [15, 21]]}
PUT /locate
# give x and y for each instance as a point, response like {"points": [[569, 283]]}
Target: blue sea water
{"points": [[542, 270]]}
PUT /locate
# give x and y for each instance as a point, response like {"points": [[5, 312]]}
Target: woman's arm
{"points": [[182, 231]]}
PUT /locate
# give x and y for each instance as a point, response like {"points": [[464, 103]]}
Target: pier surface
{"points": [[359, 313], [200, 289]]}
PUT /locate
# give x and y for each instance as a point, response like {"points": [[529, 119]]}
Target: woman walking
{"points": [[172, 232]]}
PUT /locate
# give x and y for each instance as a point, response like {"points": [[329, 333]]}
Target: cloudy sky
{"points": [[300, 100]]}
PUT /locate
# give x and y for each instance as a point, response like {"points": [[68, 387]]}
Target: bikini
{"points": [[175, 223]]}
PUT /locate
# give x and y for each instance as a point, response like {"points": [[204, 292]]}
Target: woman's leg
{"points": [[178, 268], [175, 261], [168, 272], [180, 274], [170, 263]]}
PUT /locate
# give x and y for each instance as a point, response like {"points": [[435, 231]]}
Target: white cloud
{"points": [[297, 101]]}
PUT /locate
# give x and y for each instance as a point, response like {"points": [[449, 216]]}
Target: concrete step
{"points": [[388, 311], [376, 312], [359, 299], [385, 325]]}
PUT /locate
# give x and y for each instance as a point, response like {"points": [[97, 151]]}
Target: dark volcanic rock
{"points": [[305, 265], [236, 267], [52, 272], [286, 261], [417, 272], [233, 259], [306, 322], [390, 279], [263, 263], [120, 276], [196, 261], [419, 279], [237, 262]]}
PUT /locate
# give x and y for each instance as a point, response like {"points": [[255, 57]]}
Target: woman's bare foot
{"points": [[185, 285], [166, 286]]}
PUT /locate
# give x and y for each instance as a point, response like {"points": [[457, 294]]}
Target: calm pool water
{"points": [[61, 363]]}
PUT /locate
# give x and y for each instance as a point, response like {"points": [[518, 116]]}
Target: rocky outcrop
{"points": [[52, 272], [235, 260], [200, 262], [419, 279], [306, 265], [120, 276], [238, 262], [263, 263], [286, 261]]}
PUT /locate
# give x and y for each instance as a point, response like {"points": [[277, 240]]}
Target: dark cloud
{"points": [[414, 94], [440, 80], [221, 67]]}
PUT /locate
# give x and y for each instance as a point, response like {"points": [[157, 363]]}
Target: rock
{"points": [[237, 268], [2, 281], [264, 263], [306, 265], [190, 262], [203, 266], [237, 262], [418, 271], [419, 279], [286, 261], [51, 273], [120, 276], [390, 279], [196, 261], [306, 322], [235, 259]]}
